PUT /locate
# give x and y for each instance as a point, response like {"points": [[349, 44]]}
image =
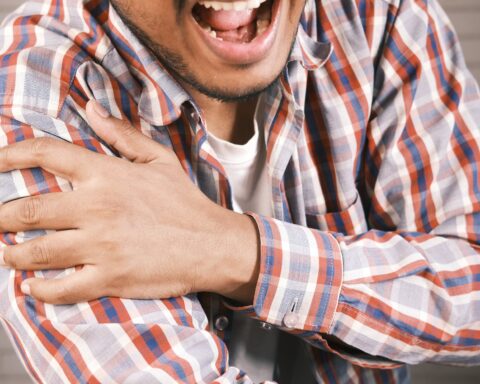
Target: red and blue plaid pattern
{"points": [[372, 139]]}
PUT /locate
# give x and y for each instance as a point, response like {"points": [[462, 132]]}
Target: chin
{"points": [[235, 89]]}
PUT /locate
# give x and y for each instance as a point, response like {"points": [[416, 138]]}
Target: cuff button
{"points": [[291, 320]]}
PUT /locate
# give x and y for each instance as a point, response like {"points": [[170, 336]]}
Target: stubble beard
{"points": [[177, 67]]}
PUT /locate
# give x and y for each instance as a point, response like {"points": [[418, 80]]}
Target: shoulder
{"points": [[42, 46]]}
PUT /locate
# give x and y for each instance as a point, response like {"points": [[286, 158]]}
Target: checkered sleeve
{"points": [[43, 92], [406, 289], [108, 340]]}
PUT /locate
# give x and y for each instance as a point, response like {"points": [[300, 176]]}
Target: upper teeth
{"points": [[232, 6]]}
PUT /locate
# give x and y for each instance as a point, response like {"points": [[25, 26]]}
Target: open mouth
{"points": [[238, 31], [236, 22]]}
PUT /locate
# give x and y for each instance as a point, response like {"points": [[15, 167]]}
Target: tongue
{"points": [[226, 20], [240, 35]]}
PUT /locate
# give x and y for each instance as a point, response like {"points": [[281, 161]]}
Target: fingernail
{"points": [[25, 288], [100, 110]]}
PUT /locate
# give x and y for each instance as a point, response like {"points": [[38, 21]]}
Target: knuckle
{"points": [[113, 282], [63, 294], [110, 247], [30, 211], [6, 155], [127, 128], [9, 257], [109, 208], [41, 145], [40, 253]]}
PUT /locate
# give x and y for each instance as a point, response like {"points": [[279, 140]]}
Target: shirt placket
{"points": [[211, 178], [282, 120], [282, 132]]}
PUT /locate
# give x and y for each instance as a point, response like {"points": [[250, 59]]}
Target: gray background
{"points": [[465, 15]]}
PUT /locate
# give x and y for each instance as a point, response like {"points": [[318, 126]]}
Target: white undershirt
{"points": [[252, 348], [245, 166]]}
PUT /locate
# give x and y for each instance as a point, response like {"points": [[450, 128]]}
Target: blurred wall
{"points": [[465, 15]]}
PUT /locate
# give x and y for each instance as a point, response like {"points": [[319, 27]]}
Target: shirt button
{"points": [[291, 320], [221, 323], [265, 326]]}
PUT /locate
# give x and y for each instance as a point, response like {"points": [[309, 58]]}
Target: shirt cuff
{"points": [[300, 276]]}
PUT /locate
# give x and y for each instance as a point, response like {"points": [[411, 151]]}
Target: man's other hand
{"points": [[135, 227]]}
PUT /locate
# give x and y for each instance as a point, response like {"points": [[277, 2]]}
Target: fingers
{"points": [[121, 135], [63, 159], [50, 211], [56, 251], [81, 286]]}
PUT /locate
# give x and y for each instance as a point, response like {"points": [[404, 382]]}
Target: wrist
{"points": [[235, 267], [244, 261]]}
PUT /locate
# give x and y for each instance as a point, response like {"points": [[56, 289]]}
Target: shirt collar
{"points": [[310, 53], [162, 97]]}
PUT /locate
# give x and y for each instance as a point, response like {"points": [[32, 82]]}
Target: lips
{"points": [[239, 32]]}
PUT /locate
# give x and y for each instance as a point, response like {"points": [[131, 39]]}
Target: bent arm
{"points": [[46, 79], [394, 276], [107, 340], [400, 297]]}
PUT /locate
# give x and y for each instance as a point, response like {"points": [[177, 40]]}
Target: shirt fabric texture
{"points": [[372, 137], [251, 346]]}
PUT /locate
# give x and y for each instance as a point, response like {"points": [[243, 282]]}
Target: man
{"points": [[357, 205]]}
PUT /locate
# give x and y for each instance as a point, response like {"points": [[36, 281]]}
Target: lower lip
{"points": [[244, 53]]}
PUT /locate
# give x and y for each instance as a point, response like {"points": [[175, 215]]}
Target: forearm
{"points": [[396, 296]]}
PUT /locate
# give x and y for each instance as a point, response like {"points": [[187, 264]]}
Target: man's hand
{"points": [[138, 228]]}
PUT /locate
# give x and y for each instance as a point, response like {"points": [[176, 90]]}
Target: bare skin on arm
{"points": [[224, 77], [174, 225]]}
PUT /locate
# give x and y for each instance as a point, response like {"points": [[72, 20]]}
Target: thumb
{"points": [[121, 135]]}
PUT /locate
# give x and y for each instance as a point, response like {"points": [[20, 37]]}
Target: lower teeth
{"points": [[262, 26], [262, 23], [214, 34]]}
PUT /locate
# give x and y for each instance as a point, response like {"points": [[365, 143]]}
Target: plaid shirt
{"points": [[372, 138]]}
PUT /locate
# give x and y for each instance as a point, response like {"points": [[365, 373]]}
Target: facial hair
{"points": [[176, 66]]}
